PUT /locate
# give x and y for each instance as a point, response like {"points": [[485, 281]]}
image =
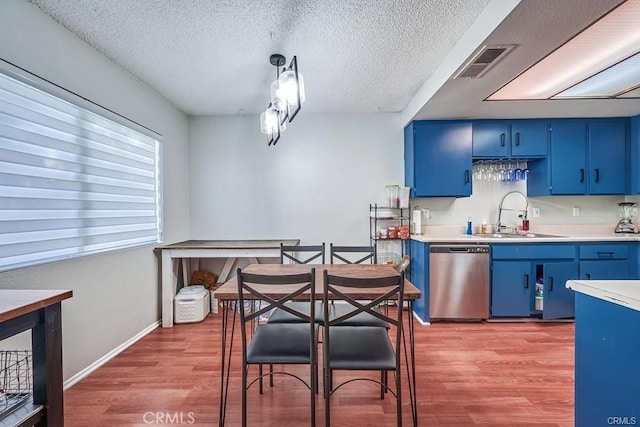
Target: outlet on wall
{"points": [[536, 212], [576, 211]]}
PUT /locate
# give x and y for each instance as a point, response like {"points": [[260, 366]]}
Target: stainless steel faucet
{"points": [[499, 226]]}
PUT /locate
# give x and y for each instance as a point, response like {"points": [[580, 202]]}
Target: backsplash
{"points": [[554, 210]]}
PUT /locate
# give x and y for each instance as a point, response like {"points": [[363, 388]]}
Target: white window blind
{"points": [[72, 182]]}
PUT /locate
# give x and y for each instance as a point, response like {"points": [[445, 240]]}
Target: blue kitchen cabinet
{"points": [[607, 372], [437, 157], [511, 289], [568, 157], [635, 155], [491, 139], [587, 157], [608, 154], [419, 273], [515, 269], [518, 139], [529, 138], [558, 300], [608, 261]]}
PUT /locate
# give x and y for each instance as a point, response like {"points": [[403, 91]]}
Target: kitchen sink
{"points": [[513, 236]]}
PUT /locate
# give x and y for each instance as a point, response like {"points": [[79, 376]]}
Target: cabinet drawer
{"points": [[533, 251], [604, 251]]}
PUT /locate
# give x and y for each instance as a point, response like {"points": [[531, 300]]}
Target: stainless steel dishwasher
{"points": [[458, 281]]}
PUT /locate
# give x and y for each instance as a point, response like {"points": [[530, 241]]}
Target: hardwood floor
{"points": [[469, 374]]}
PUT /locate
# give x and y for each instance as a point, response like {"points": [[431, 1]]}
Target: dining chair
{"points": [[353, 255], [302, 254], [298, 255], [362, 348], [277, 343]]}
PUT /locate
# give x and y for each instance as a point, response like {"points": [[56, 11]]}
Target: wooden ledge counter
{"points": [[40, 311], [185, 251]]}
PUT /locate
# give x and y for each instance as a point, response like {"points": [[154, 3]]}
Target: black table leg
{"points": [[46, 338]]}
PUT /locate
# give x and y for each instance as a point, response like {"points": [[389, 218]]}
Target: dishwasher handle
{"points": [[459, 249]]}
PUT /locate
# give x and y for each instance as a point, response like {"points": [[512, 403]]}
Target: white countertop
{"points": [[622, 292], [569, 234]]}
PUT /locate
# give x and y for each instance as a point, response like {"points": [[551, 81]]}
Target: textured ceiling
{"points": [[211, 57]]}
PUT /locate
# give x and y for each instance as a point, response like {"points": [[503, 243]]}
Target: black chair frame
{"points": [[259, 348], [286, 253], [339, 253], [333, 287]]}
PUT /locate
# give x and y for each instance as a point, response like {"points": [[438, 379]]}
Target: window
{"points": [[75, 179]]}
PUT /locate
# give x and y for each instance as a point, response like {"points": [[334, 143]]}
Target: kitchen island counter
{"points": [[607, 344]]}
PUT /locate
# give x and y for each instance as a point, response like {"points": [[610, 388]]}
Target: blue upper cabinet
{"points": [[491, 139], [529, 138], [588, 156], [437, 158], [608, 154], [568, 157], [510, 139], [634, 172]]}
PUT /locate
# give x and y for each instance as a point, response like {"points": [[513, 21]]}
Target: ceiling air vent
{"points": [[482, 61]]}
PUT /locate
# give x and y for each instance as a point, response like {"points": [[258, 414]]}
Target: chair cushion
{"points": [[280, 343], [281, 316], [360, 348], [360, 319]]}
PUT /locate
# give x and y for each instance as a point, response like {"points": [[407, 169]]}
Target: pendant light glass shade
{"points": [[269, 121], [289, 86], [278, 98]]}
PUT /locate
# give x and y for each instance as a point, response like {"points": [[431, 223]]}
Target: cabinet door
{"points": [[558, 300], [441, 159], [419, 274], [568, 157], [606, 270], [634, 170], [607, 157], [511, 288], [491, 139], [529, 138]]}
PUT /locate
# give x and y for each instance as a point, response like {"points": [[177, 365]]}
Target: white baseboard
{"points": [[113, 353], [422, 322]]}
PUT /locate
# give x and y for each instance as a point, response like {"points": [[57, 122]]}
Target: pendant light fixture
{"points": [[287, 96]]}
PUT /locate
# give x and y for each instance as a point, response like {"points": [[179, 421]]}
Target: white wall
{"points": [[116, 295], [316, 184]]}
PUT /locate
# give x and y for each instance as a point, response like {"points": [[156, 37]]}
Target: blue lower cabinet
{"points": [[419, 269], [527, 280], [606, 270], [558, 300], [607, 383], [608, 261], [512, 289]]}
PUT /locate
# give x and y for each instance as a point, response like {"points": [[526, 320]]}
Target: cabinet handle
{"points": [[466, 176], [608, 254], [597, 175], [581, 175], [550, 283], [517, 138], [526, 281], [502, 139]]}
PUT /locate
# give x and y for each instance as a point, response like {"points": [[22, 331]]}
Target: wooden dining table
{"points": [[227, 294]]}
